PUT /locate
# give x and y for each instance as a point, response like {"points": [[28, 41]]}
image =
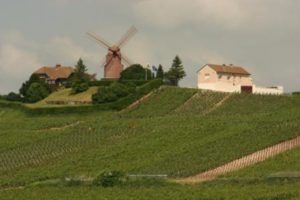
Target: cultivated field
{"points": [[177, 132]]}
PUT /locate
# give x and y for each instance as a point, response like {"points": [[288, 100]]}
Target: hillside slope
{"points": [[164, 135], [64, 96]]}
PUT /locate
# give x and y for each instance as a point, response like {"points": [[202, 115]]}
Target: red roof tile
{"points": [[229, 69], [57, 72]]}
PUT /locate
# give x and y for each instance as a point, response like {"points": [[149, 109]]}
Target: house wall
{"points": [[220, 87], [264, 90], [209, 79], [202, 75], [221, 81]]}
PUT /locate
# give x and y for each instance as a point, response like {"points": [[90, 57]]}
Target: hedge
{"points": [[296, 93], [118, 105], [109, 82]]}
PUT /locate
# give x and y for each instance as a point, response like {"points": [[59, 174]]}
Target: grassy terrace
{"points": [[166, 134], [65, 95]]}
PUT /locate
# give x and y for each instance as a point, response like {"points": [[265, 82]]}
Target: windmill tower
{"points": [[113, 62]]}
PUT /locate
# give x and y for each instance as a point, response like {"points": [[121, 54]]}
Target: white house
{"points": [[224, 78]]}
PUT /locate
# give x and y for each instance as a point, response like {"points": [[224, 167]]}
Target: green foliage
{"points": [[207, 191], [160, 104], [110, 179], [101, 83], [160, 72], [80, 68], [79, 80], [176, 72], [36, 92], [13, 97], [111, 93], [26, 85], [79, 87], [135, 72], [296, 93], [167, 139]]}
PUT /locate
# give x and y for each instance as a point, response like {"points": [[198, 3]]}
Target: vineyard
{"points": [[177, 132]]}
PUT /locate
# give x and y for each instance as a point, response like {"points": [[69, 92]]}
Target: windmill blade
{"points": [[129, 34], [126, 60], [98, 39]]}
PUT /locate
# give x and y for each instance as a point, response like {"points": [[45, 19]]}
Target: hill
{"points": [[177, 132], [65, 97]]}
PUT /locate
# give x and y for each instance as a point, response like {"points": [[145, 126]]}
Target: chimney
{"points": [[58, 65]]}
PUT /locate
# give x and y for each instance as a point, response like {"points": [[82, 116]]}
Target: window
{"points": [[207, 76]]}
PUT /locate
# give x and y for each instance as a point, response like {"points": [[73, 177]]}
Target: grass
{"points": [[163, 101], [65, 95], [208, 191], [166, 134]]}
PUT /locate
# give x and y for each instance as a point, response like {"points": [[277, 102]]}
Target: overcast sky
{"points": [[261, 35]]}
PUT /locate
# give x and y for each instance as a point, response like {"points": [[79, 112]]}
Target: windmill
{"points": [[113, 61]]}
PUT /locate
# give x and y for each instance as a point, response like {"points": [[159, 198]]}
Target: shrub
{"points": [[135, 72], [78, 87], [13, 97], [110, 179], [36, 92], [296, 93], [33, 79], [111, 93], [101, 83], [104, 95]]}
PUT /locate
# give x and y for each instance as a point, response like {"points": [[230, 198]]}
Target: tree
{"points": [[32, 79], [36, 92], [160, 72], [176, 72], [79, 80], [135, 72], [80, 69]]}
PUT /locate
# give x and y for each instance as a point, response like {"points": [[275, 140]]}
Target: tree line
{"points": [[36, 89]]}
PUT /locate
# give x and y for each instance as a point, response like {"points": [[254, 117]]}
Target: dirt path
{"points": [[12, 188], [138, 102], [187, 101], [217, 105], [62, 127], [243, 162]]}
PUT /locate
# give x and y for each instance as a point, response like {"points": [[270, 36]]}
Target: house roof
{"points": [[229, 69], [56, 72]]}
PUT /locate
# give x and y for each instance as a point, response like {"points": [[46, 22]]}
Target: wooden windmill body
{"points": [[113, 62]]}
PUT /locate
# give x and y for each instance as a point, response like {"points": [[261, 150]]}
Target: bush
{"points": [[296, 93], [135, 72], [111, 93], [101, 83], [78, 87], [13, 97], [110, 179], [33, 79], [36, 92]]}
